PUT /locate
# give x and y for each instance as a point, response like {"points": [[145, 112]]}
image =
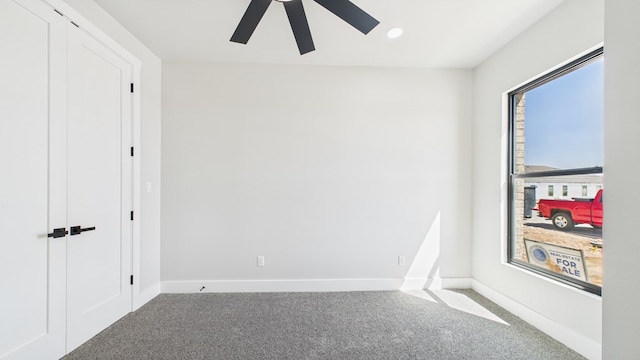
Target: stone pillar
{"points": [[519, 249]]}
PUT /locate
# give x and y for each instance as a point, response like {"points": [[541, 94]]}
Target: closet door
{"points": [[32, 180], [99, 188]]}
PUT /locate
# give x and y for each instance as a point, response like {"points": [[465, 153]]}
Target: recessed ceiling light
{"points": [[394, 33]]}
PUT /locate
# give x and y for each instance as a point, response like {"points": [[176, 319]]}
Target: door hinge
{"points": [[132, 88], [59, 13], [132, 151], [131, 282], [131, 215]]}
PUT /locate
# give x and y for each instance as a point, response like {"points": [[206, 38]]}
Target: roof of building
{"points": [[565, 179]]}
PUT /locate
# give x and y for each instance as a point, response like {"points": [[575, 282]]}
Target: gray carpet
{"points": [[340, 325]]}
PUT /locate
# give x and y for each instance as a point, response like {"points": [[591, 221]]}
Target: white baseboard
{"points": [[223, 286], [312, 285], [455, 283], [583, 345]]}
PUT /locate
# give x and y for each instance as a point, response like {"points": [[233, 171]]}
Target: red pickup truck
{"points": [[564, 214]]}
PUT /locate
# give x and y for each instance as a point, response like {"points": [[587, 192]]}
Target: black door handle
{"points": [[77, 230], [58, 233]]}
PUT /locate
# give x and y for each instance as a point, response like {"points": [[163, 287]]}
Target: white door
{"points": [[64, 162], [99, 188], [32, 181]]}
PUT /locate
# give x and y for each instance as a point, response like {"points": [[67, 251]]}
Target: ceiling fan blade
{"points": [[300, 26], [349, 12], [250, 20]]}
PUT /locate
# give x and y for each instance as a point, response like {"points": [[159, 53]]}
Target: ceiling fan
{"points": [[344, 9]]}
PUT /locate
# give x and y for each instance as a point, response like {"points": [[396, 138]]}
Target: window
{"points": [[556, 140]]}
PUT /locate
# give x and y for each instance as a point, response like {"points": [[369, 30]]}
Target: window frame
{"points": [[512, 176]]}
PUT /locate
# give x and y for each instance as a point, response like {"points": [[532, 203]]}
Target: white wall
{"points": [[571, 316], [621, 315], [148, 151], [330, 173]]}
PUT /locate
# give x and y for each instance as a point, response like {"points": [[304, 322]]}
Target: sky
{"points": [[564, 118]]}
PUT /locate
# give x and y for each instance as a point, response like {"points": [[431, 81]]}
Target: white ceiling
{"points": [[437, 33]]}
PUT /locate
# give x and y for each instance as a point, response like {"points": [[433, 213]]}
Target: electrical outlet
{"points": [[260, 261], [401, 260]]}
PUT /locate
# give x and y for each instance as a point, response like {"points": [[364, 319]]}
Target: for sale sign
{"points": [[559, 259]]}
